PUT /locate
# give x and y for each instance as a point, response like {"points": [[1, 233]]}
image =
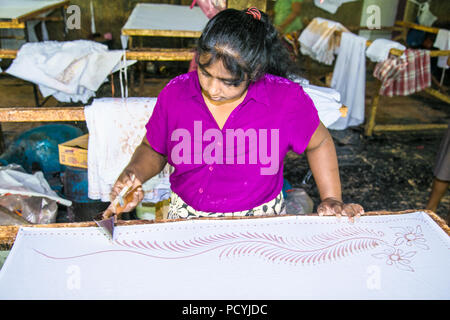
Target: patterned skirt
{"points": [[180, 209]]}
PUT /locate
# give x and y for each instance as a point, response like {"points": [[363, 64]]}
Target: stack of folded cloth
{"points": [[321, 39], [379, 49]]}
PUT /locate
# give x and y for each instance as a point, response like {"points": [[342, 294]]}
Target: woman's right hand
{"points": [[126, 178]]}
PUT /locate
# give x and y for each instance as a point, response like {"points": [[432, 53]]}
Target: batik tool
{"points": [[120, 202]]}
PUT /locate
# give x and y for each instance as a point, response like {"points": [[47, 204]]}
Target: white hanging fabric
{"points": [[349, 79]]}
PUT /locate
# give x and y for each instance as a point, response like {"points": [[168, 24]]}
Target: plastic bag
{"points": [[36, 210], [298, 202], [210, 7]]}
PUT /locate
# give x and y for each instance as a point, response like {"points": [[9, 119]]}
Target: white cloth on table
{"points": [[378, 51], [330, 6], [70, 71], [157, 16], [442, 42], [17, 8], [116, 127], [319, 40], [349, 79], [395, 256]]}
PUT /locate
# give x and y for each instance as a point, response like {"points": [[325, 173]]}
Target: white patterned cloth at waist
{"points": [[180, 209]]}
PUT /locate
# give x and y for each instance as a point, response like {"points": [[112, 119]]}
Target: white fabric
{"points": [[425, 17], [13, 9], [293, 257], [116, 127], [349, 79], [318, 40], [70, 71], [330, 6], [153, 16], [326, 101], [17, 182], [442, 42], [378, 51]]}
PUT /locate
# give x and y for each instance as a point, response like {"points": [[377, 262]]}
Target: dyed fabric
{"points": [[240, 166], [283, 9], [180, 209], [402, 76], [402, 256], [116, 127]]}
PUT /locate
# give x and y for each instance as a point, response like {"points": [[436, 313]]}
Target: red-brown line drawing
{"points": [[410, 237], [397, 258], [320, 248]]}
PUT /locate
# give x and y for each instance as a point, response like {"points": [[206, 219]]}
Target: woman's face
{"points": [[217, 83]]}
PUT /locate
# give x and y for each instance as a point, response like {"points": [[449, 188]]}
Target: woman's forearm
{"points": [[146, 162], [323, 162]]}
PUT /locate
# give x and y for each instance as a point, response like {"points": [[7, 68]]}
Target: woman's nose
{"points": [[214, 88]]}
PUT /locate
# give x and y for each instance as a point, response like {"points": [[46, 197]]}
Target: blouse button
{"points": [[200, 190]]}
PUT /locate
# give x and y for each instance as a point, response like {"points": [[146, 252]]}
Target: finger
{"points": [[108, 213], [137, 197], [354, 209]]}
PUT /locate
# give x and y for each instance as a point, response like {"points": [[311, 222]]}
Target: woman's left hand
{"points": [[335, 207]]}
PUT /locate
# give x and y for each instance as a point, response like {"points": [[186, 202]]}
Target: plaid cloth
{"points": [[402, 76]]}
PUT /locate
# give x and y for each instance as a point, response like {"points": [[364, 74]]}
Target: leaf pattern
{"points": [[306, 251]]}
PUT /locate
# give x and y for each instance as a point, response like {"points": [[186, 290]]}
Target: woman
{"points": [[227, 127]]}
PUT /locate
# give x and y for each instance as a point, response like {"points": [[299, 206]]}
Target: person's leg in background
{"points": [[441, 173]]}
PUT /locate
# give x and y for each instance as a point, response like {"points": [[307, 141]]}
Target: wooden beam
{"points": [[410, 25], [161, 33], [8, 54], [154, 54], [438, 95], [14, 24], [161, 55], [409, 127], [20, 114]]}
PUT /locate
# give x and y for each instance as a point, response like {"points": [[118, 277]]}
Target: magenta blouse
{"points": [[240, 166]]}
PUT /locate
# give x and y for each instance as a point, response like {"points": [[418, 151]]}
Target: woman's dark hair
{"points": [[247, 46]]}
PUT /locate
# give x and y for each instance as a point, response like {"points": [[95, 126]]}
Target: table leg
{"points": [[373, 112]]}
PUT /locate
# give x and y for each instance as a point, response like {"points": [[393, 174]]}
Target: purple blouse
{"points": [[241, 166]]}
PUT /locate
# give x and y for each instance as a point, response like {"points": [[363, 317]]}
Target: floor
{"points": [[389, 171]]}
